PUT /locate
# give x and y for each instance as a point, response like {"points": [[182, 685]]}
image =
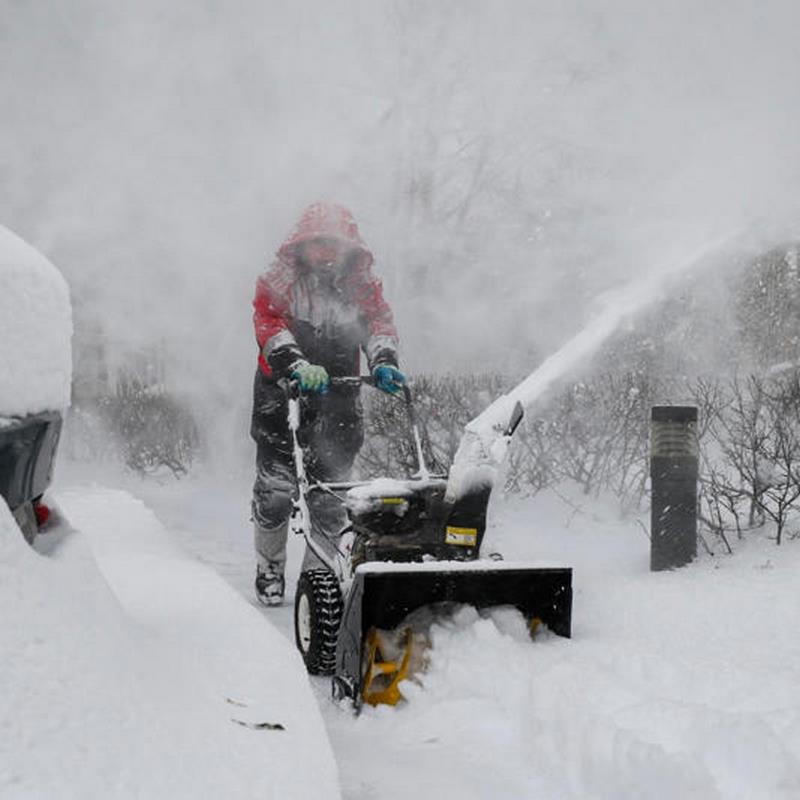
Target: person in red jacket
{"points": [[315, 309]]}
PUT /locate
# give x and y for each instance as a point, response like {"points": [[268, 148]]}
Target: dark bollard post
{"points": [[673, 474]]}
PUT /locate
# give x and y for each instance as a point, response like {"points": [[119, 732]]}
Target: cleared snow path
{"points": [[674, 685], [125, 681]]}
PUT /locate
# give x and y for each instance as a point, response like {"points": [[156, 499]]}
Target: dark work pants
{"points": [[331, 434]]}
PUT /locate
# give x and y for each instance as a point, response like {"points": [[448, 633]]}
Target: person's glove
{"points": [[388, 378], [311, 377]]}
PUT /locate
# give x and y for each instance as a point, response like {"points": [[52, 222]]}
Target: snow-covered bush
{"points": [[751, 457], [146, 429], [127, 413], [155, 432]]}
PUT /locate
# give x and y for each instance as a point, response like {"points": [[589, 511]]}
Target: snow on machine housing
{"points": [[35, 375], [410, 551]]}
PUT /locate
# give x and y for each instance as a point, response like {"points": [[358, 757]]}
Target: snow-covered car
{"points": [[35, 375]]}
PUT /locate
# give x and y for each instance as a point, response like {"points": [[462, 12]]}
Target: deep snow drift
{"points": [[674, 685], [35, 331], [124, 664], [677, 684]]}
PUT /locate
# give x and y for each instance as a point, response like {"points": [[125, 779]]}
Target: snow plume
{"points": [[483, 446], [506, 162]]}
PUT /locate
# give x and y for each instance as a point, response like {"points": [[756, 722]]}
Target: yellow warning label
{"points": [[392, 501], [465, 537]]}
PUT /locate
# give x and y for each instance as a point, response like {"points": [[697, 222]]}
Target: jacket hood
{"points": [[324, 220]]}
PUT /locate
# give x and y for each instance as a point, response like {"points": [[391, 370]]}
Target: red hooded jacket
{"points": [[317, 314]]}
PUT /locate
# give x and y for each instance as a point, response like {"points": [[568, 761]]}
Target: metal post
{"points": [[673, 474]]}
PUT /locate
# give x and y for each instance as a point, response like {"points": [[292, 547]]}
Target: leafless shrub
{"points": [[595, 434], [145, 427], [442, 405], [750, 454], [779, 457]]}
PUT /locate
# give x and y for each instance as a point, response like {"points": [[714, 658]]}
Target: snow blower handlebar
{"points": [[422, 470], [293, 390], [300, 519]]}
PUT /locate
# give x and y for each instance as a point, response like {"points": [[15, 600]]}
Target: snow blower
{"points": [[408, 554]]}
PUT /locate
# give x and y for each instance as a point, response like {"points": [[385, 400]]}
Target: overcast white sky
{"points": [[506, 160]]}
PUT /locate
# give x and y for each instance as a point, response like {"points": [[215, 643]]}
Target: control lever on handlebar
{"points": [[292, 388]]}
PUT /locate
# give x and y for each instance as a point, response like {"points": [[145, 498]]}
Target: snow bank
{"points": [[124, 681], [35, 331], [679, 684], [674, 685]]}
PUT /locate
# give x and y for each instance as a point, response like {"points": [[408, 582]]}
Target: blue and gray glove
{"points": [[388, 378], [311, 377]]}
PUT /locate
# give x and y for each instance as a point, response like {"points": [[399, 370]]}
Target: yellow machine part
{"points": [[464, 537], [386, 665], [390, 657]]}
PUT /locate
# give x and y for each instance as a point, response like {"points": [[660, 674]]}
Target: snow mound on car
{"points": [[128, 669], [35, 331]]}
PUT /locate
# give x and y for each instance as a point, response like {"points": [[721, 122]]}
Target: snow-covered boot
{"points": [[271, 563], [270, 585]]}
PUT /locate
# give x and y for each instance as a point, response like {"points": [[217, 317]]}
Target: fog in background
{"points": [[507, 161]]}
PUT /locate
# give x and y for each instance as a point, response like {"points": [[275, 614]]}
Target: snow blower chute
{"points": [[408, 553]]}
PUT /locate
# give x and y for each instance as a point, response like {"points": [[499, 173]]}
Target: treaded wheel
{"points": [[317, 616]]}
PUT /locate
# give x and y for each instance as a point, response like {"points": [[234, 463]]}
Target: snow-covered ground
{"points": [[130, 670], [674, 684]]}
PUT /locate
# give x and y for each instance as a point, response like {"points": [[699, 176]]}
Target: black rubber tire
{"points": [[319, 599]]}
